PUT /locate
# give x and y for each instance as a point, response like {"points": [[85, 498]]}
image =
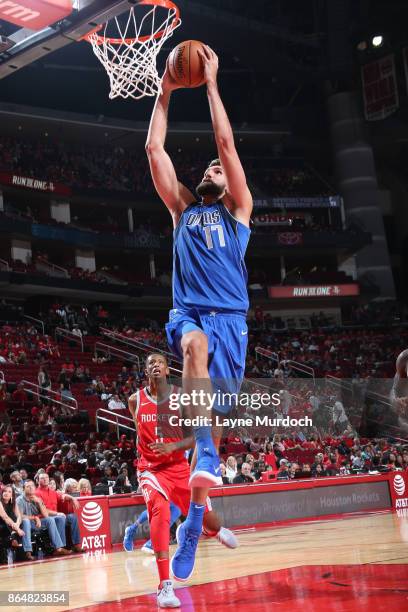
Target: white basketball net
{"points": [[129, 61]]}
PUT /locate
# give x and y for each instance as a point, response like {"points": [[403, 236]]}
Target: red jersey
{"points": [[49, 497], [154, 424]]}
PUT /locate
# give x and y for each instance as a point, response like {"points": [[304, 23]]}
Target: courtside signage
{"points": [[310, 291], [399, 492], [94, 524], [30, 182]]}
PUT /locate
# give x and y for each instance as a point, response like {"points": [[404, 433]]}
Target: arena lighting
{"points": [[377, 40]]}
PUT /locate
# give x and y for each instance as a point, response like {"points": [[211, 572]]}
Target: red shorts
{"points": [[172, 483]]}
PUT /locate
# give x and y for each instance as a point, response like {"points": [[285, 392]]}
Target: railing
{"points": [[114, 351], [138, 344], [51, 269], [37, 322], [301, 367], [259, 350], [112, 280], [48, 393], [111, 416], [4, 265], [66, 333], [345, 384], [295, 365]]}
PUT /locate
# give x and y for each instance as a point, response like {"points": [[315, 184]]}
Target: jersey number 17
{"points": [[208, 231]]}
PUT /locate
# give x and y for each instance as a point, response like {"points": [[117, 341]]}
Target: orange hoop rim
{"points": [[101, 40]]}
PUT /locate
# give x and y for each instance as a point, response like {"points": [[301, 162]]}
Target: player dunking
{"points": [[163, 471], [207, 325]]}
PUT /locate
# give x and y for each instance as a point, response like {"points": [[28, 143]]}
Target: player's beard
{"points": [[208, 188]]}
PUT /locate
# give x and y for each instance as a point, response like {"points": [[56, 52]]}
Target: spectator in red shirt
{"points": [[291, 442], [68, 366], [124, 443], [19, 395], [35, 411], [51, 500]]}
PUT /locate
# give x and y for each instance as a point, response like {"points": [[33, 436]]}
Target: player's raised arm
{"points": [[173, 193], [241, 204]]}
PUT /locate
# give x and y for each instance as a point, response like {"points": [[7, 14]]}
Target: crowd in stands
{"points": [[117, 169], [355, 351], [111, 224], [296, 455], [266, 273], [346, 353], [41, 265], [288, 182], [22, 344]]}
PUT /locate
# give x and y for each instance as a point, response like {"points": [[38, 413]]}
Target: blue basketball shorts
{"points": [[227, 335]]}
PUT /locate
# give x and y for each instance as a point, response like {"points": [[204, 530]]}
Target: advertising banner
{"points": [[94, 523], [30, 182], [264, 504], [299, 202], [281, 505], [399, 492], [308, 291]]}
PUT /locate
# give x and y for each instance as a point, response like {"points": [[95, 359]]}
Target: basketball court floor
{"points": [[359, 562]]}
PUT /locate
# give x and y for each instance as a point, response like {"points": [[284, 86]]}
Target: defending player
{"points": [[399, 396], [163, 470], [207, 325]]}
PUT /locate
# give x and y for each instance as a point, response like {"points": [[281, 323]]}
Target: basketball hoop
{"points": [[129, 57]]}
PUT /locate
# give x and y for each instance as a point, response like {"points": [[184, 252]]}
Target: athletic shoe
{"points": [[227, 538], [182, 562], [166, 597], [129, 537], [207, 472], [148, 548]]}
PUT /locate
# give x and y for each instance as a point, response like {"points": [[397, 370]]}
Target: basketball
{"points": [[185, 65]]}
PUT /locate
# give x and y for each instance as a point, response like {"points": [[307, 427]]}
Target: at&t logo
{"points": [[401, 503], [399, 485], [92, 519], [92, 516]]}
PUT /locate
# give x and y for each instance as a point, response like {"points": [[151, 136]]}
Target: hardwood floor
{"points": [[314, 555]]}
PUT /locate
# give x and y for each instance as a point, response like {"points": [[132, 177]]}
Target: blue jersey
{"points": [[209, 271]]}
